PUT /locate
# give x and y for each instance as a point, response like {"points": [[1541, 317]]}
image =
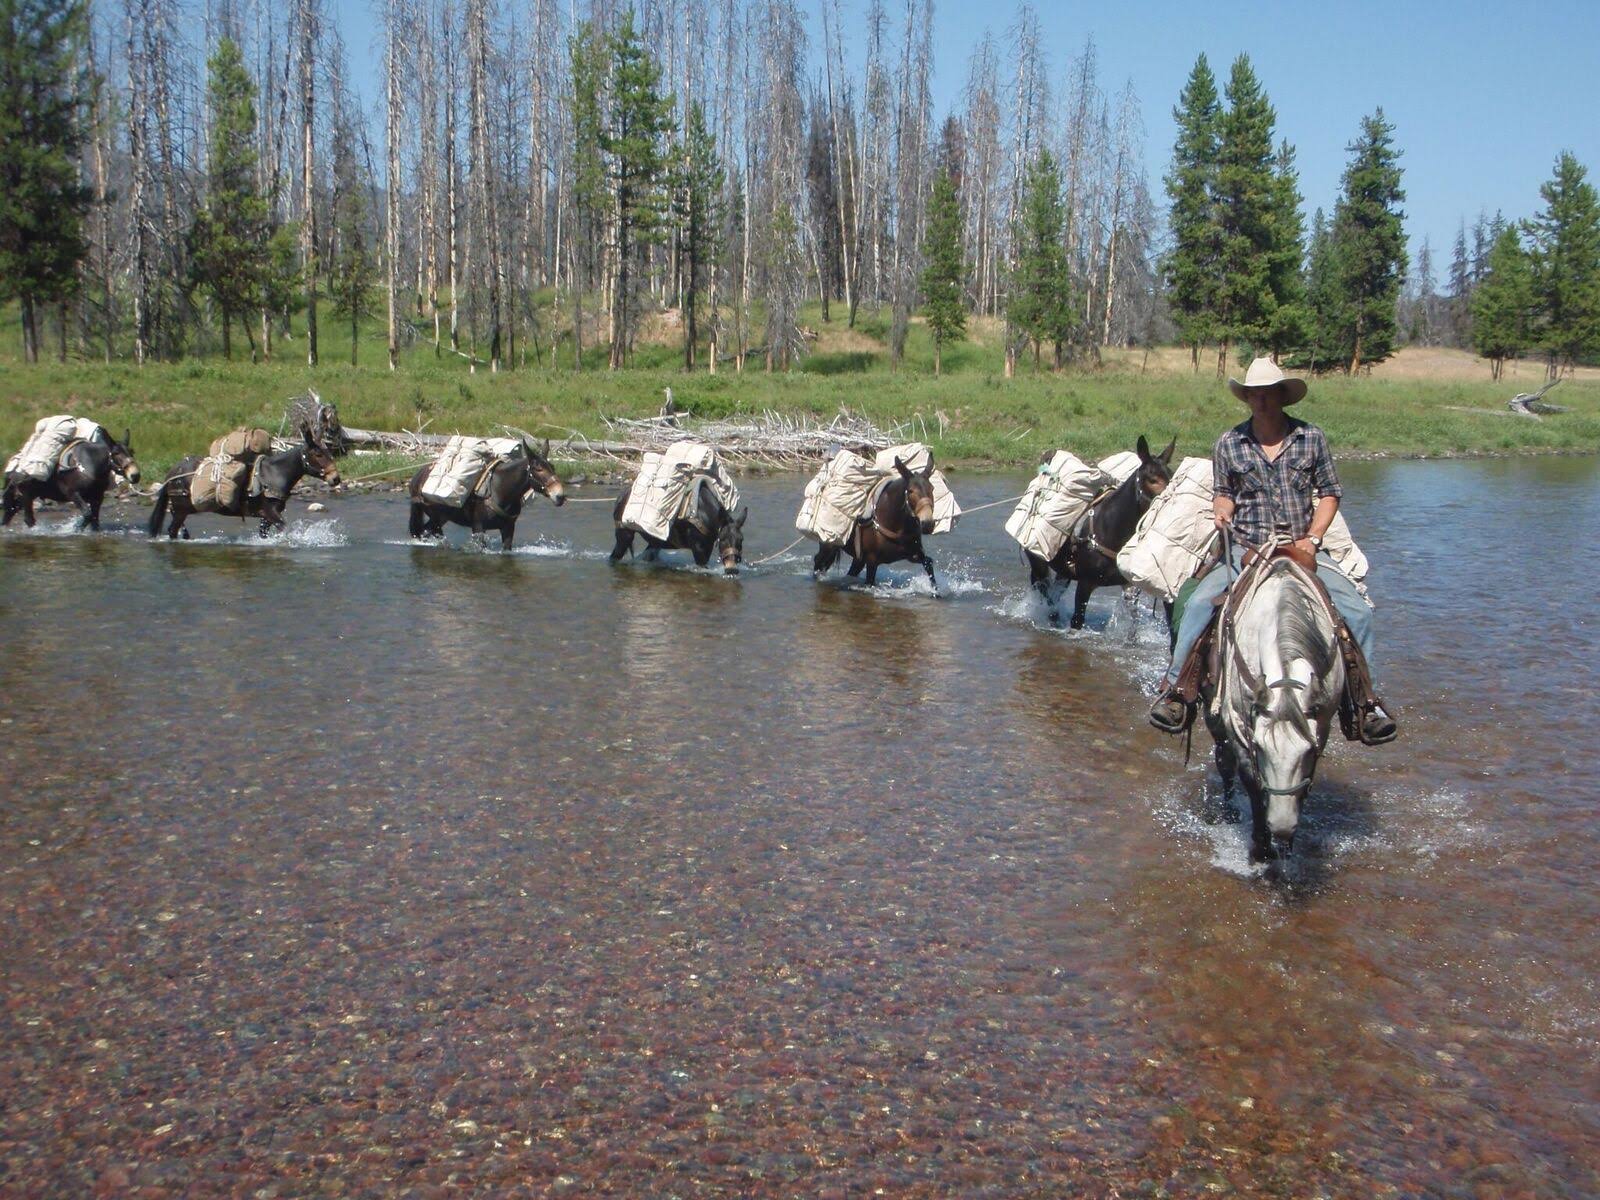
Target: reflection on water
{"points": [[334, 862]]}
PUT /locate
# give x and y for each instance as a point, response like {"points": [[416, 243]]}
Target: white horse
{"points": [[1281, 681]]}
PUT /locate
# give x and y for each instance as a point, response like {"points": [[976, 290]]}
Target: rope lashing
{"points": [[758, 561], [992, 504]]}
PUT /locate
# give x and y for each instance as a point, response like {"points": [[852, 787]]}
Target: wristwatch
{"points": [[1315, 541]]}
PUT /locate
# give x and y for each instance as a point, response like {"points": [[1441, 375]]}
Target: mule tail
{"points": [[160, 513]]}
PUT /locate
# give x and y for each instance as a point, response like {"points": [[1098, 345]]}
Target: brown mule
{"points": [[901, 514]]}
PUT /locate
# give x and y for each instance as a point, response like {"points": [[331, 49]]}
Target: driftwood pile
{"points": [[767, 439]]}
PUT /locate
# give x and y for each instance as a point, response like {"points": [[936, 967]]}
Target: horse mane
{"points": [[1300, 632]]}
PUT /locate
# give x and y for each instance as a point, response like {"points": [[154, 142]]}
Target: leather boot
{"points": [[1170, 714]]}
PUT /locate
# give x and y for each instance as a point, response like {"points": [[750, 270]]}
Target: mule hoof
{"points": [[1261, 854]]}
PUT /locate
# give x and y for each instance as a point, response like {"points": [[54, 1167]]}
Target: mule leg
{"points": [[1080, 602], [872, 572], [624, 544], [418, 523], [1039, 577], [28, 518], [180, 514], [652, 554], [927, 565], [508, 531], [94, 512]]}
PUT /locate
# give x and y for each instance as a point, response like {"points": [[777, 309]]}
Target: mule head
{"points": [[1155, 470], [542, 476], [730, 541], [122, 461], [919, 493], [319, 459]]}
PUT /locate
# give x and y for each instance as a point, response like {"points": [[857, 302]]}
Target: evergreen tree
{"points": [[945, 271], [1566, 265], [1371, 242], [228, 241], [1190, 266], [1041, 305], [1247, 207], [1289, 323], [1325, 309], [1502, 304], [634, 141], [699, 192], [45, 98], [1459, 296], [353, 267]]}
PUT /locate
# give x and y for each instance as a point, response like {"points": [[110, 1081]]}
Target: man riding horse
{"points": [[1273, 480]]}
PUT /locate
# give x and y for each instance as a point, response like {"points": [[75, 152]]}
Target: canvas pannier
{"points": [[664, 489], [218, 485], [1119, 466], [1056, 499], [242, 443], [837, 496], [42, 451], [462, 467], [1175, 538]]}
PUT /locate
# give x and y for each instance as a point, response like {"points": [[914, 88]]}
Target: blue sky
{"points": [[1483, 95]]}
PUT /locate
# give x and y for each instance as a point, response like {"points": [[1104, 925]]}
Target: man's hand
{"points": [[1306, 546], [1220, 521]]}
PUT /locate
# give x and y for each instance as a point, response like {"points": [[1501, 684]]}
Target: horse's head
{"points": [[1155, 470], [319, 459], [542, 476], [730, 541], [1286, 748], [122, 461], [919, 493]]}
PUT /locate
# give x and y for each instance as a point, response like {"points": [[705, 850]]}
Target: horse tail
{"points": [[160, 513]]}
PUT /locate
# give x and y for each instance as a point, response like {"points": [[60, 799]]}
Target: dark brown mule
{"points": [[711, 526], [273, 479], [901, 514], [509, 481], [82, 475], [1089, 556]]}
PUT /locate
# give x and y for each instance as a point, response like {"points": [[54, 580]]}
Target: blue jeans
{"points": [[1197, 614]]}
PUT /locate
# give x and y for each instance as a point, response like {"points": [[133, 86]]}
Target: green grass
{"points": [[176, 409]]}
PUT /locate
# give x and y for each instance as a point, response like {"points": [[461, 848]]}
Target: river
{"points": [[338, 865]]}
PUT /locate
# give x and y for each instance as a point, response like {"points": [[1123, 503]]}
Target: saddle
{"points": [[1202, 670]]}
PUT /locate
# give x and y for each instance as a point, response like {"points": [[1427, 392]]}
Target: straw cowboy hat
{"points": [[1264, 373]]}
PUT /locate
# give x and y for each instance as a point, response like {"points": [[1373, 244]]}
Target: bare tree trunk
{"points": [[482, 173], [452, 232], [138, 19], [308, 220], [392, 182]]}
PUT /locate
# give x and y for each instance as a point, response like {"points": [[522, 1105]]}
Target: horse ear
{"points": [[1143, 448], [1166, 455], [901, 467]]}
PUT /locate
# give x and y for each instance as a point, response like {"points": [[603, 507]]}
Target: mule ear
{"points": [[927, 471], [127, 439], [1166, 455], [742, 516], [547, 449], [1143, 448], [901, 467]]}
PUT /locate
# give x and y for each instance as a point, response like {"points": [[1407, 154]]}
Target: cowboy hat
{"points": [[1265, 373]]}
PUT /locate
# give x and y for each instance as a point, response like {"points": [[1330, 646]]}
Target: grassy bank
{"points": [[175, 409]]}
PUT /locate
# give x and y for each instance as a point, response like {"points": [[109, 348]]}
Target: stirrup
{"points": [[1188, 713], [1383, 740]]}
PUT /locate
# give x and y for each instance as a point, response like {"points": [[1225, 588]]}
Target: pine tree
{"points": [[1566, 265], [228, 241], [1502, 304], [1459, 297], [1247, 206], [1289, 323], [700, 192], [1190, 266], [1367, 228], [1325, 310], [1041, 305], [634, 143], [945, 271], [45, 97]]}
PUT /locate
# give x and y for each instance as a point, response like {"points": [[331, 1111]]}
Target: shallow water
{"points": [[338, 864]]}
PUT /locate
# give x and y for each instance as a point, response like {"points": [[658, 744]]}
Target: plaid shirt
{"points": [[1280, 492]]}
